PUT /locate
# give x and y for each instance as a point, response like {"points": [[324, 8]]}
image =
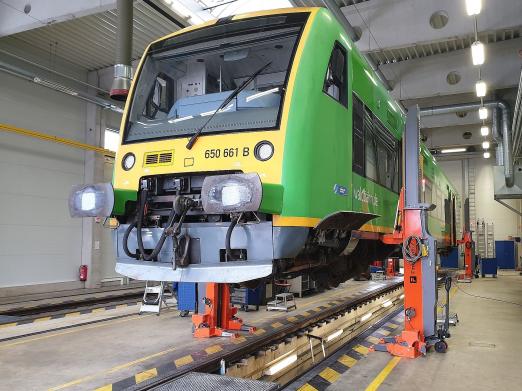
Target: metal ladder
{"points": [[481, 238], [154, 298], [490, 240], [471, 196]]}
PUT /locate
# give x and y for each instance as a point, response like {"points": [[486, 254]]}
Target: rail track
{"points": [[306, 338]]}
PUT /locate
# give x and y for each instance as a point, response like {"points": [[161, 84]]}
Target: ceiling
{"points": [[90, 41]]}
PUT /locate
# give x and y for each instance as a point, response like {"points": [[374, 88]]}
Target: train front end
{"points": [[197, 175]]}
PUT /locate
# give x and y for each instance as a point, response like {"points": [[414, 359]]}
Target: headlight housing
{"points": [[264, 150], [91, 200], [128, 161], [231, 193]]}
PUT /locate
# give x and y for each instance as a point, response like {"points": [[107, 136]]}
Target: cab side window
{"points": [[336, 80]]}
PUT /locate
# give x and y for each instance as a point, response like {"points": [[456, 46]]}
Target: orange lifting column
{"points": [[467, 241], [219, 319]]}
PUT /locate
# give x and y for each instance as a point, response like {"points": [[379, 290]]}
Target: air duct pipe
{"points": [[28, 76], [506, 140], [341, 18], [123, 69]]}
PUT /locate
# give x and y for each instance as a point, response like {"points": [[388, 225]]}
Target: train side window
{"points": [[336, 80], [370, 150], [358, 136]]}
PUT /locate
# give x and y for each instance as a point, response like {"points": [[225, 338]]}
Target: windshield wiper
{"points": [[234, 93]]}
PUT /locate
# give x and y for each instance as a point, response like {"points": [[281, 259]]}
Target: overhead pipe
{"points": [[123, 67], [341, 18], [506, 140], [30, 77]]}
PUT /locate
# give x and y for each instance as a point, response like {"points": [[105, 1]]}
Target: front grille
{"points": [[160, 158]]}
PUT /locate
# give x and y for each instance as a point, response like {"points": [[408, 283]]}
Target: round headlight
{"points": [[128, 161], [264, 150]]}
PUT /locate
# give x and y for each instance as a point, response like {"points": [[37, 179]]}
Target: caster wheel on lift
{"points": [[184, 314], [441, 346]]}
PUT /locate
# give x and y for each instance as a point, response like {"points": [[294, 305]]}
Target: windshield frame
{"points": [[230, 28]]}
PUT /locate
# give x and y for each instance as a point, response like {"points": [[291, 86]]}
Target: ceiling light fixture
{"points": [[453, 150], [481, 89], [484, 130], [477, 53], [487, 155], [473, 7], [485, 145], [483, 113]]}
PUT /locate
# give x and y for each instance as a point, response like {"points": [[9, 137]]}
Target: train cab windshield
{"points": [[185, 79]]}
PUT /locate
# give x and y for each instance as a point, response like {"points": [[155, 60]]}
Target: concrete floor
{"points": [[68, 354], [484, 349]]}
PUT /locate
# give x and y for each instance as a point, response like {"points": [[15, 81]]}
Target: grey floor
{"points": [[485, 349]]}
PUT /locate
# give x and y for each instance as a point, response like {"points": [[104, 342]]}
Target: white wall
{"points": [[40, 243], [506, 222]]}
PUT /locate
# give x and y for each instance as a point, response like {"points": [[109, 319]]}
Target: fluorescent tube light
{"points": [[334, 335], [387, 303], [485, 145], [481, 89], [366, 316], [484, 130], [453, 150], [483, 113], [473, 7], [477, 53], [279, 366], [401, 296]]}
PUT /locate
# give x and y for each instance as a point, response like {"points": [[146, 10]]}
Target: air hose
{"points": [[412, 249], [231, 227]]}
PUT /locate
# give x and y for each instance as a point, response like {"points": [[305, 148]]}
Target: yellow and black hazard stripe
{"points": [[67, 314], [330, 374]]}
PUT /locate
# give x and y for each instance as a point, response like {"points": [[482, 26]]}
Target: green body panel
{"points": [[120, 199], [272, 201], [319, 134]]}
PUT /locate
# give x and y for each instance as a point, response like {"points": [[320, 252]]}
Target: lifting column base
{"points": [[408, 344]]}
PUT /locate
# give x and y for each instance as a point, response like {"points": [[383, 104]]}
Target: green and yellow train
{"points": [[261, 144]]}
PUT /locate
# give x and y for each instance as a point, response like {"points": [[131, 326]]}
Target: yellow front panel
{"points": [[200, 158]]}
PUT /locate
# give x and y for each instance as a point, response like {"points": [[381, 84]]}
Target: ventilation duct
{"points": [[123, 69]]}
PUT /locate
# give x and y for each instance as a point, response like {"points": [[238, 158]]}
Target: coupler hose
{"points": [[126, 240]]}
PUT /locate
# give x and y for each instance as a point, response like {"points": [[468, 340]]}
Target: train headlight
{"points": [[128, 161], [264, 150], [231, 193], [91, 200]]}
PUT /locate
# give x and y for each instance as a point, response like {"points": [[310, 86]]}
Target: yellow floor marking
{"points": [[383, 332], [183, 360], [98, 310], [119, 306], [307, 387], [42, 319], [112, 370], [379, 379], [361, 349], [238, 340], [306, 313], [7, 325], [292, 319], [330, 375], [213, 349], [373, 339], [145, 375], [76, 330], [391, 325], [259, 331], [276, 325], [70, 314], [347, 360], [108, 387]]}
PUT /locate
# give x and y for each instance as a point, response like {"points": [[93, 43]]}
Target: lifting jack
{"points": [[219, 318], [469, 248], [419, 251]]}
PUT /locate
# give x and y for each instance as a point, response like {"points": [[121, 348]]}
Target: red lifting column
{"points": [[219, 319]]}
